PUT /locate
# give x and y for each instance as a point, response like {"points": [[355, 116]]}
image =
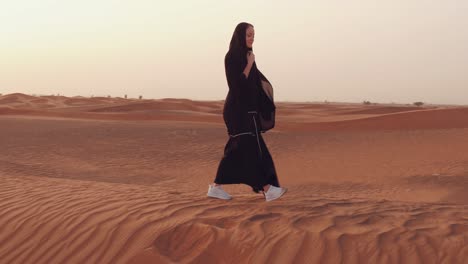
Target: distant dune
{"points": [[296, 116]]}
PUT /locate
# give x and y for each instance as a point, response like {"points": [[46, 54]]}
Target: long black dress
{"points": [[248, 111]]}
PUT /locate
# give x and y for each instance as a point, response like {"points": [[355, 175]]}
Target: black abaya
{"points": [[248, 111]]}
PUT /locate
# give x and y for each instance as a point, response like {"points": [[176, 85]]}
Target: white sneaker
{"points": [[274, 193], [218, 192]]}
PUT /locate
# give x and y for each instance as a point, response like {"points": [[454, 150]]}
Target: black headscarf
{"points": [[237, 46], [252, 94]]}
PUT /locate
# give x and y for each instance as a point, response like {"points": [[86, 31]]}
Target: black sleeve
{"points": [[240, 86], [235, 75]]}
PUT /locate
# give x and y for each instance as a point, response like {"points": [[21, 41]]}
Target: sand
{"points": [[113, 180]]}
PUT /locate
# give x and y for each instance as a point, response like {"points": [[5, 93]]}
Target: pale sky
{"points": [[398, 51]]}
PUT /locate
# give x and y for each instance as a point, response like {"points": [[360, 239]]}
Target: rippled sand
{"points": [[106, 180]]}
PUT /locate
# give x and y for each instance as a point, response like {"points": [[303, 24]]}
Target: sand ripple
{"points": [[47, 220]]}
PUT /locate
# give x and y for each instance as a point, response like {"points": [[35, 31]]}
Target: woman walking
{"points": [[248, 111]]}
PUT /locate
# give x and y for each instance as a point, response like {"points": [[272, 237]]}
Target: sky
{"points": [[396, 51]]}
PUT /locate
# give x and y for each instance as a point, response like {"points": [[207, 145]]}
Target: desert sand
{"points": [[113, 180]]}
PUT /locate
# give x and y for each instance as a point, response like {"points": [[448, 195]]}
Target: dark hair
{"points": [[237, 45]]}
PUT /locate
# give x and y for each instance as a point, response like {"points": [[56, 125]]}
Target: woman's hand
{"points": [[250, 58]]}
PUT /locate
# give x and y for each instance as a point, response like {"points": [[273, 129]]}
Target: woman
{"points": [[248, 111]]}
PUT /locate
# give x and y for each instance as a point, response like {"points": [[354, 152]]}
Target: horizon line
{"points": [[222, 100]]}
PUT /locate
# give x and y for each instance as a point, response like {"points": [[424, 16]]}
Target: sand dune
{"points": [[384, 110], [423, 119], [56, 220], [291, 116], [110, 180]]}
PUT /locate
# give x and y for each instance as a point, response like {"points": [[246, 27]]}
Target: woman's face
{"points": [[249, 36]]}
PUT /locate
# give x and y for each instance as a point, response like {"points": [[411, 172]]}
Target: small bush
{"points": [[418, 103]]}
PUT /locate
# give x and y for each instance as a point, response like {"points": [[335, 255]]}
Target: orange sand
{"points": [[111, 180]]}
